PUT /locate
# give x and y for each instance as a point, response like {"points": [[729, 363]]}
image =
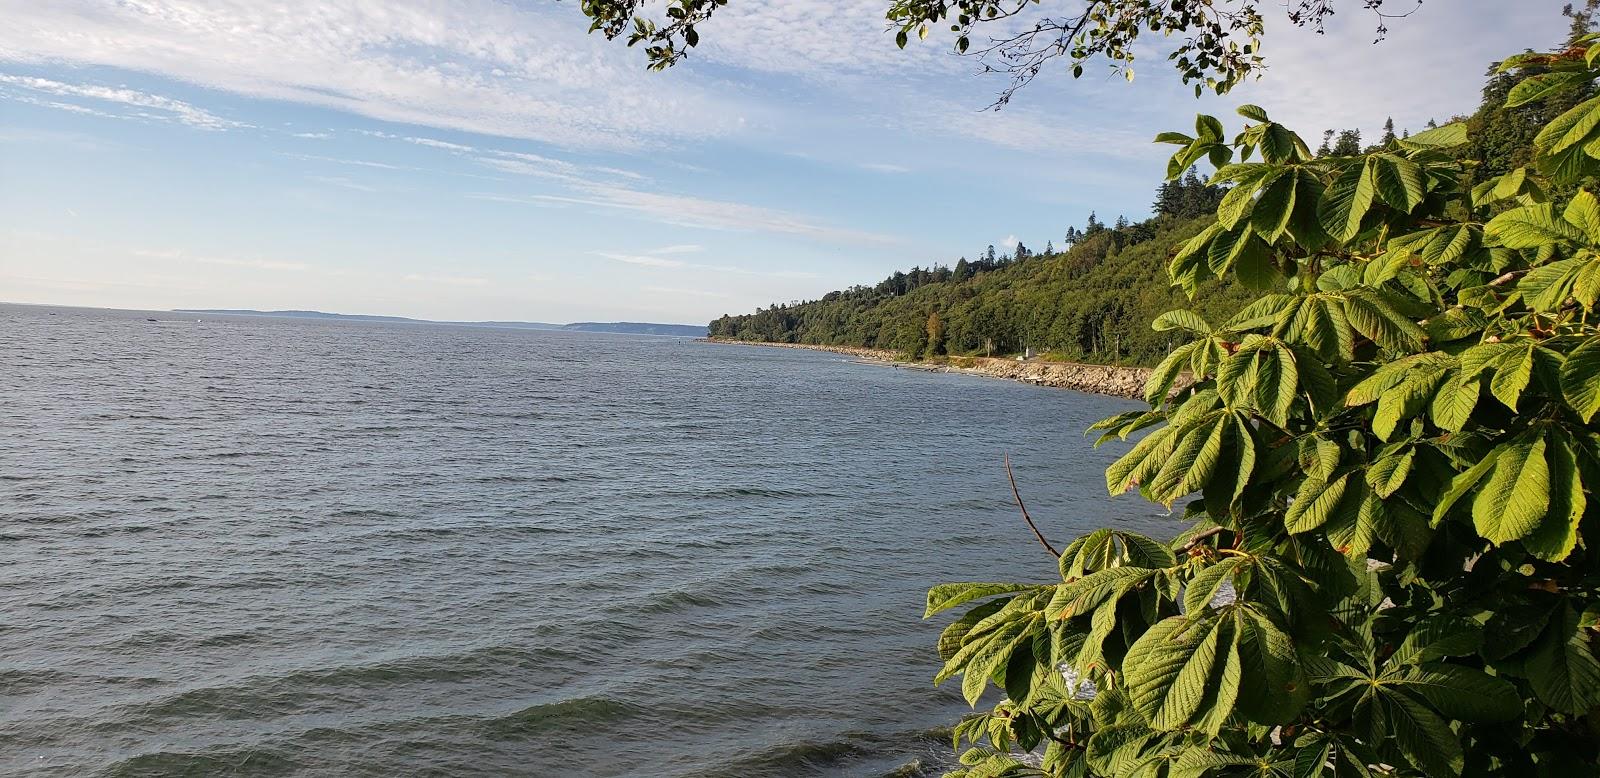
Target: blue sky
{"points": [[473, 159]]}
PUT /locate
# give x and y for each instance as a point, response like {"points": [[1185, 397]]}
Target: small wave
{"points": [[365, 513], [579, 713], [786, 757], [333, 688], [675, 600], [244, 761]]}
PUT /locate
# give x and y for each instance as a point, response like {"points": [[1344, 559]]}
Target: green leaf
{"points": [[1463, 693], [1570, 128], [1583, 211], [1270, 216], [1203, 588], [1562, 668], [1543, 85], [1345, 203], [1446, 137], [1462, 483], [946, 596], [1425, 739], [1557, 534], [1180, 319], [1194, 458], [1398, 181], [1380, 323], [1516, 496], [1314, 504], [1274, 688], [1253, 113], [1142, 461], [1388, 473], [1236, 204], [1512, 372], [1159, 384], [1532, 226], [1453, 404], [1168, 669], [1580, 378], [954, 635]]}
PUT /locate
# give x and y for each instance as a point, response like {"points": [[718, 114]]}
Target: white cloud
{"points": [[699, 212], [640, 259], [474, 65], [256, 264], [342, 161], [448, 280], [311, 135], [1010, 242], [884, 167], [166, 108], [681, 291], [1343, 80], [818, 38], [342, 182], [688, 248]]}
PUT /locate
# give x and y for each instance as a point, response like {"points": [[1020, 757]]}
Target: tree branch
{"points": [[1025, 517], [1195, 541]]}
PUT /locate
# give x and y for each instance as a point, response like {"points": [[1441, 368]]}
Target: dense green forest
{"points": [[1093, 301]]}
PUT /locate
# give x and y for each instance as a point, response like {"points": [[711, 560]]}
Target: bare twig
{"points": [[1025, 517], [1195, 541]]}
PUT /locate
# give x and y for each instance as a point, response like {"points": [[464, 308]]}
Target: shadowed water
{"points": [[256, 546]]}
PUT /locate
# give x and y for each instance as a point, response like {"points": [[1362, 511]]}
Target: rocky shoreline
{"points": [[1094, 379]]}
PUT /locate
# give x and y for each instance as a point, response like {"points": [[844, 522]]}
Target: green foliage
{"points": [[1219, 40], [1088, 303], [1393, 565]]}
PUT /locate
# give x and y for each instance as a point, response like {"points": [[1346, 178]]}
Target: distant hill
{"points": [[640, 328], [617, 327]]}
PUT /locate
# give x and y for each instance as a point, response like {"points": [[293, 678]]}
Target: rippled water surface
{"points": [[257, 546]]}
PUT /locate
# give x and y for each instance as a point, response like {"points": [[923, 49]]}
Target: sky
{"points": [[484, 159]]}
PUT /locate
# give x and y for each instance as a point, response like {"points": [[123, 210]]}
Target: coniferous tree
{"points": [[1348, 144], [1388, 141], [1327, 144]]}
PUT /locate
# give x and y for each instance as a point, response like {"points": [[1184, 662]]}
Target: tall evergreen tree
{"points": [[1348, 144]]}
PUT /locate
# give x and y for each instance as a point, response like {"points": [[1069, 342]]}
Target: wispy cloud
{"points": [[342, 182], [687, 211], [343, 161], [423, 278], [884, 167], [165, 108], [311, 135], [689, 292], [256, 264], [479, 66], [649, 260], [640, 259], [688, 248]]}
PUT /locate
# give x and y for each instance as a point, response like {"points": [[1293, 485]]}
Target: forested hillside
{"points": [[1091, 302]]}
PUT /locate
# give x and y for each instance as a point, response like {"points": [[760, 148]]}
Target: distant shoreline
{"points": [[1110, 380], [614, 327]]}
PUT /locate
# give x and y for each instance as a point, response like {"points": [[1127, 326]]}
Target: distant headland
{"points": [[619, 327]]}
